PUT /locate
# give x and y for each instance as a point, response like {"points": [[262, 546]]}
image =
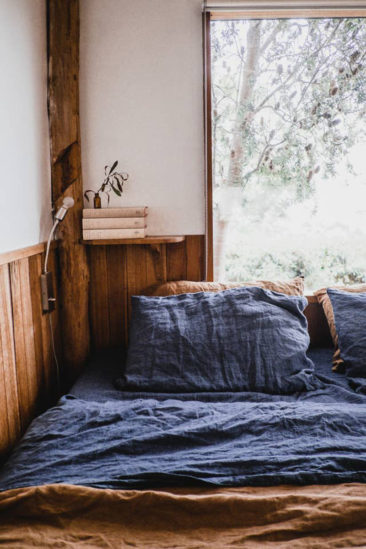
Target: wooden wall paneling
{"points": [[120, 271], [99, 306], [195, 246], [136, 273], [146, 266], [55, 318], [155, 260], [25, 352], [9, 407], [117, 294], [159, 263], [4, 424], [35, 268], [177, 261], [45, 362], [27, 366], [135, 268], [317, 324]]}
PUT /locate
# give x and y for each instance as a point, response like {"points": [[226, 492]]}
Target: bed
{"points": [[108, 467]]}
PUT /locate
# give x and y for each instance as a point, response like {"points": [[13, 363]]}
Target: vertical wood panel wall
{"points": [[27, 367], [117, 272]]}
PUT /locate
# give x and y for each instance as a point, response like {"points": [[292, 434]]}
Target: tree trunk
{"points": [[237, 153]]}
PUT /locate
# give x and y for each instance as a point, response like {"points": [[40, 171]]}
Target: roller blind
{"points": [[242, 5]]}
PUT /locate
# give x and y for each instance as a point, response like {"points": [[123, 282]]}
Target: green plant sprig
{"points": [[113, 181]]}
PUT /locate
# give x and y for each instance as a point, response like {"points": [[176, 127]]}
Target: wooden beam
{"points": [[63, 107], [208, 150]]}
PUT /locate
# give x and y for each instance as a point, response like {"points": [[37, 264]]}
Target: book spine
{"points": [[138, 211], [114, 223], [110, 234]]}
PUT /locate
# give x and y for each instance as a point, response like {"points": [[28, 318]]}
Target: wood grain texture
{"points": [[134, 241], [9, 403], [24, 339], [118, 272], [27, 368], [117, 293], [208, 149], [177, 262], [195, 253], [8, 257], [63, 105], [317, 324], [99, 307]]}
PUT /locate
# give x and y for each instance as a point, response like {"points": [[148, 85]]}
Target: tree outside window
{"points": [[289, 154]]}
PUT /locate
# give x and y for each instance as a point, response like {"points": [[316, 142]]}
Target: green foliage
{"points": [[320, 267], [306, 97], [289, 105], [113, 182]]}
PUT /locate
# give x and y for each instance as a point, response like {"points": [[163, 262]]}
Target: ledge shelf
{"points": [[148, 240]]}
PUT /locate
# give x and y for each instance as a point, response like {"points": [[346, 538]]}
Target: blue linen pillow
{"points": [[243, 339], [350, 321]]}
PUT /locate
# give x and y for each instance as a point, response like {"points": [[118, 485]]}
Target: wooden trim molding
{"points": [[27, 366], [255, 9], [208, 150], [130, 241], [21, 253]]}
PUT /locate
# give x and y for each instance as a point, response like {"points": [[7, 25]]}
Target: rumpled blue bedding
{"points": [[350, 318], [241, 339], [233, 439]]}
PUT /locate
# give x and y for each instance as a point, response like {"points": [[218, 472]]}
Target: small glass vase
{"points": [[97, 201]]}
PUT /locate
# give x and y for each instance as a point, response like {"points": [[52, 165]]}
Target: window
{"points": [[288, 122]]}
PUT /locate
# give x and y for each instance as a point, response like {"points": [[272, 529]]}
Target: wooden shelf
{"points": [[147, 240]]}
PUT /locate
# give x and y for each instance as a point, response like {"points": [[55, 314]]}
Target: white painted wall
{"points": [[141, 102], [25, 202]]}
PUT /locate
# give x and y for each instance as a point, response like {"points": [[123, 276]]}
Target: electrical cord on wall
{"points": [[46, 277], [49, 245], [54, 354]]}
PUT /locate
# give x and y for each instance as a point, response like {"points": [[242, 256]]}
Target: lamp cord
{"points": [[49, 244], [49, 314], [54, 355]]}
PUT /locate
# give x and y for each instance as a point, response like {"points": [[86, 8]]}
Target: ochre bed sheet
{"points": [[285, 516]]}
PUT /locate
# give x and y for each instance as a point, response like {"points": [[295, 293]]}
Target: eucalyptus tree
{"points": [[288, 101]]}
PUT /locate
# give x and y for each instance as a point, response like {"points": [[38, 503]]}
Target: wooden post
{"points": [[63, 108]]}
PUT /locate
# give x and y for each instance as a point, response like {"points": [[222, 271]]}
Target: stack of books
{"points": [[114, 223]]}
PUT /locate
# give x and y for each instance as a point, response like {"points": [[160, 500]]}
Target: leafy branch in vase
{"points": [[113, 181]]}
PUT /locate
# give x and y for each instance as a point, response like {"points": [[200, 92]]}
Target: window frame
{"points": [[208, 16]]}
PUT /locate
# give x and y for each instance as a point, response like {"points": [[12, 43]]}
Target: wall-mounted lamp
{"points": [[48, 295]]}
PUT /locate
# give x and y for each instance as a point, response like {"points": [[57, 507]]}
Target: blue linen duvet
{"points": [[223, 440]]}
